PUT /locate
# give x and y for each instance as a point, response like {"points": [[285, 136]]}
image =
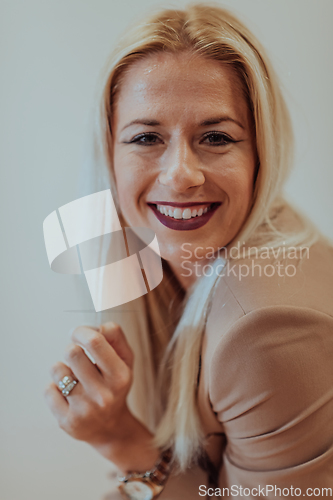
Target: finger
{"points": [[71, 331], [85, 371], [57, 403], [86, 352], [58, 371], [107, 360], [117, 339]]}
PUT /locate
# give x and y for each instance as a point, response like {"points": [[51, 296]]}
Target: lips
{"points": [[177, 211]]}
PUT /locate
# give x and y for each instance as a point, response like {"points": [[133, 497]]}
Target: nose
{"points": [[181, 168]]}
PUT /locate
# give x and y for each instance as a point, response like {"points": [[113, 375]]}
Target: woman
{"points": [[197, 140]]}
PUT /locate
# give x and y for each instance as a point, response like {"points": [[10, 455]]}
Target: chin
{"points": [[173, 255]]}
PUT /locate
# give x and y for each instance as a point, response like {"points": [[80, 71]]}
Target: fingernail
{"points": [[89, 355]]}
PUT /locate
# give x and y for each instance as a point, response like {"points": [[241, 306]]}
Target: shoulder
{"points": [[290, 276], [249, 289], [275, 341], [263, 276], [271, 375]]}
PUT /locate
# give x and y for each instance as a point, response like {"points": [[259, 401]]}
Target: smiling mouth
{"points": [[180, 216]]}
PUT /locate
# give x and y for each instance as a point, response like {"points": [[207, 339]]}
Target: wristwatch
{"points": [[147, 485]]}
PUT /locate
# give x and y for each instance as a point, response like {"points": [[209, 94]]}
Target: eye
{"points": [[217, 139], [146, 139]]}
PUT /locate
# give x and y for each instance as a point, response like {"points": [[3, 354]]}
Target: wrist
{"points": [[147, 485], [129, 445]]}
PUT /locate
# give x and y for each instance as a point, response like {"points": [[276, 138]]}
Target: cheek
{"points": [[124, 187], [131, 184], [126, 194], [243, 190], [237, 183]]}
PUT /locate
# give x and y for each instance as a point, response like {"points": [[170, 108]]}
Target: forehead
{"points": [[165, 82]]}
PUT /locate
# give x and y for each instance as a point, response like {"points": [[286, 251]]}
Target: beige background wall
{"points": [[51, 54]]}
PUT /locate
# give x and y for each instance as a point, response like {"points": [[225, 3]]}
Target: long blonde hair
{"points": [[174, 322]]}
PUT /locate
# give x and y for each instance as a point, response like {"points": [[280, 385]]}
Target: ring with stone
{"points": [[67, 384]]}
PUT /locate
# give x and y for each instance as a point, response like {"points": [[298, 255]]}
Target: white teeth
{"points": [[187, 213], [178, 213]]}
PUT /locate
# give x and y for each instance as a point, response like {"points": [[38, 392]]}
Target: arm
{"points": [[271, 386]]}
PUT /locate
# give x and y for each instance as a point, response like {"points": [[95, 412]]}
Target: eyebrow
{"points": [[142, 121], [220, 119], [205, 123]]}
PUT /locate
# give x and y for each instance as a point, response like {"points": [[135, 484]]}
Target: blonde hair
{"points": [[175, 332]]}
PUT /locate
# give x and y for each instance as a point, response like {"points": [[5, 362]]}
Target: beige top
{"points": [[267, 376], [266, 383]]}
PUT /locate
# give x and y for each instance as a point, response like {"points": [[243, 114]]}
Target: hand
{"points": [[96, 407], [95, 411]]}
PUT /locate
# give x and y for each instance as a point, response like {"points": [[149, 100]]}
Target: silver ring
{"points": [[67, 384]]}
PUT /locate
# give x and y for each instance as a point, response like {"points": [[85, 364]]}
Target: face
{"points": [[184, 153]]}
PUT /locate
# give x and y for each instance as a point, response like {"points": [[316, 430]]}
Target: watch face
{"points": [[138, 490]]}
